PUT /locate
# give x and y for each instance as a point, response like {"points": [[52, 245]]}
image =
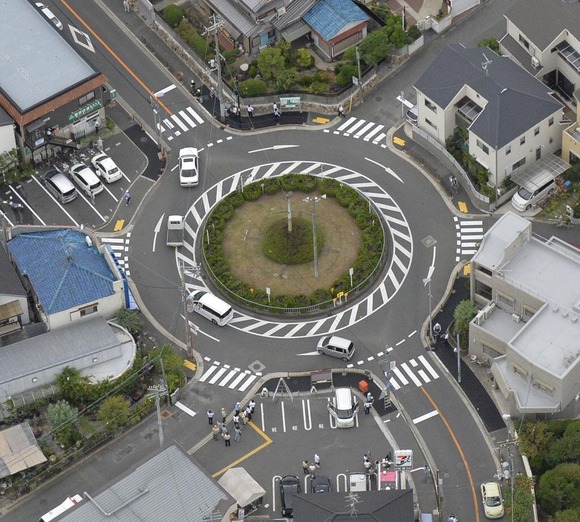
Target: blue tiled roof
{"points": [[63, 270], [329, 17]]}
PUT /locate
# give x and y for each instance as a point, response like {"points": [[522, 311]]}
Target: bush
{"points": [[299, 182], [291, 248], [253, 87], [173, 14], [271, 186], [306, 81], [252, 192], [318, 87], [344, 77]]}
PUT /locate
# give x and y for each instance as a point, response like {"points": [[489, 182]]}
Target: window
{"points": [[88, 310], [487, 350], [527, 313], [484, 270], [430, 105], [541, 385], [83, 100], [508, 150], [551, 121], [536, 131], [483, 146], [519, 370], [431, 123], [518, 164], [522, 140], [524, 42], [506, 300]]}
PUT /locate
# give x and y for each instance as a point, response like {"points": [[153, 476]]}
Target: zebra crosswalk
{"points": [[418, 371], [180, 122], [469, 235], [362, 129], [119, 246], [225, 376]]}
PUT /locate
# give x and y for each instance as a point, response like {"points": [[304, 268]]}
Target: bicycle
{"points": [[563, 222]]}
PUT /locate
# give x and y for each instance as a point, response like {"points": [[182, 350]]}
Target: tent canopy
{"points": [[241, 486]]}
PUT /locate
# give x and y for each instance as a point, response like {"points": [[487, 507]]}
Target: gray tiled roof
{"points": [[56, 348], [294, 12], [516, 100], [234, 14], [167, 486], [541, 21]]}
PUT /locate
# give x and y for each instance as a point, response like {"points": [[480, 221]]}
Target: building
{"points": [[13, 298], [170, 485], [7, 137], [69, 278], [528, 293], [51, 93], [97, 349], [512, 119], [332, 26], [543, 36]]}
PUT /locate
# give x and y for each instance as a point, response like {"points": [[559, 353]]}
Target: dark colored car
{"points": [[321, 484], [289, 486]]}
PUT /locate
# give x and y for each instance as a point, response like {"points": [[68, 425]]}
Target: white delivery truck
{"points": [[175, 228]]}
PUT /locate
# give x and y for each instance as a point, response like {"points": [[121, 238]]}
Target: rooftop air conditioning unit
{"points": [[516, 318], [535, 62]]}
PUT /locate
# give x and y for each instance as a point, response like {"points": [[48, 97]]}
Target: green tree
{"points": [[523, 499], [286, 80], [304, 58], [286, 50], [173, 14], [114, 412], [534, 442], [72, 386], [375, 47], [172, 364], [344, 77], [568, 515], [560, 488], [567, 448], [271, 63], [398, 37], [60, 413], [463, 314], [492, 43], [129, 320], [253, 87]]}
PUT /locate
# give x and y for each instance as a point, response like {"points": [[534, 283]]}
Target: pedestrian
{"points": [[192, 86], [277, 115], [426, 473], [224, 415], [244, 417], [224, 430], [274, 107], [97, 127], [127, 198], [248, 413], [252, 405], [250, 110], [305, 467], [367, 406], [317, 460], [210, 417], [198, 93], [436, 330], [215, 431], [368, 465], [100, 144], [237, 408], [236, 419], [312, 470], [227, 439], [369, 397], [126, 6], [341, 111], [237, 434]]}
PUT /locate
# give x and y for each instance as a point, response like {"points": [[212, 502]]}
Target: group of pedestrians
{"points": [[239, 417], [310, 468]]}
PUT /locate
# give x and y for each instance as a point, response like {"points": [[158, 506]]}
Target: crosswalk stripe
{"points": [[228, 377], [182, 125], [249, 381], [217, 376], [470, 237], [237, 381], [471, 223], [373, 132], [394, 384], [423, 376], [346, 124], [408, 371], [186, 117], [428, 366], [400, 376], [208, 373], [379, 138], [196, 116], [168, 124], [364, 129], [355, 127]]}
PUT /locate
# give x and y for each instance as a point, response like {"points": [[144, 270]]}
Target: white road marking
{"points": [[422, 418], [184, 408], [156, 230]]}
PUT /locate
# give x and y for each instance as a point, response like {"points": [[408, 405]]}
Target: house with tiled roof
{"points": [[68, 276], [512, 118], [45, 84]]}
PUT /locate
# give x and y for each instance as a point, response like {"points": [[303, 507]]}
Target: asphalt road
{"points": [[436, 412]]}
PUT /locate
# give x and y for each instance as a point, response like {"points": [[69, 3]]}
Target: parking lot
{"points": [[287, 430], [38, 207]]}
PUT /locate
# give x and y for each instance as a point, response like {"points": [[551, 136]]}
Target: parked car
{"points": [[106, 168], [321, 484], [59, 186], [50, 15], [289, 486], [412, 115], [188, 167], [86, 179], [492, 500]]}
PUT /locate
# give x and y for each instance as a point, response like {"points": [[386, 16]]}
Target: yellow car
{"points": [[492, 501]]}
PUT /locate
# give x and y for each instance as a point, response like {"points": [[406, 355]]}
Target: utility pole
{"points": [[213, 28], [359, 73], [195, 272], [289, 211], [314, 200]]}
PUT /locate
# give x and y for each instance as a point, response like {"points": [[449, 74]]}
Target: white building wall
{"points": [[7, 138]]}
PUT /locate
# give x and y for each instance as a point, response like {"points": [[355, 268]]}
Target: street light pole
{"points": [[314, 200], [427, 282]]}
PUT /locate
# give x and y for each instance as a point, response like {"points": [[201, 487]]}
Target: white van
{"points": [[336, 347], [344, 409], [211, 307], [528, 194]]}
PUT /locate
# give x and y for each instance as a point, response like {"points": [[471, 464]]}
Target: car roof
{"points": [[105, 160], [82, 169], [491, 489]]}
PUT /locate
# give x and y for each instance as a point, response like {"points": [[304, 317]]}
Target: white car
{"points": [[86, 179], [106, 168], [50, 15], [188, 167], [492, 501]]}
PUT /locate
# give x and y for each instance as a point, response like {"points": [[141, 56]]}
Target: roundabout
{"points": [[344, 313]]}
